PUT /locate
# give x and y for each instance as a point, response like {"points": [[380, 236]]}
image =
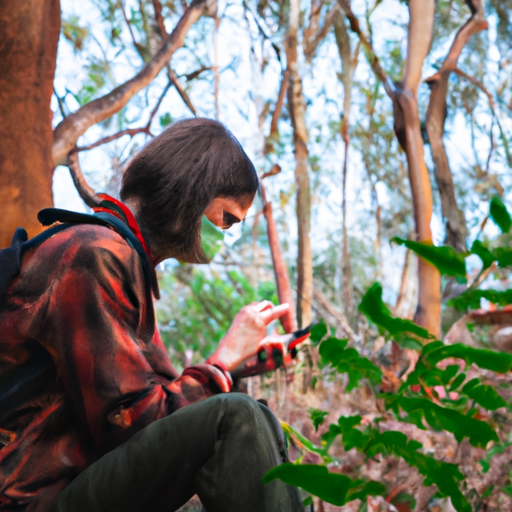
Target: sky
{"points": [[244, 89]]}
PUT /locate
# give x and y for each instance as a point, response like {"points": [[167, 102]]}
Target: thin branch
{"points": [[159, 18], [170, 72], [490, 99], [184, 96], [84, 190], [373, 59], [105, 140], [60, 103], [129, 131], [196, 73], [129, 24], [276, 115], [75, 125]]}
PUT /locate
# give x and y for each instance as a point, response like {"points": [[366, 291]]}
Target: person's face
{"points": [[224, 212]]}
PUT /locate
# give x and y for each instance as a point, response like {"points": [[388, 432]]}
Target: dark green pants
{"points": [[219, 448]]}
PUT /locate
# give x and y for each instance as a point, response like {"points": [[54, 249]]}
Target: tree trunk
{"points": [[436, 114], [408, 131], [296, 107], [347, 74], [28, 50]]}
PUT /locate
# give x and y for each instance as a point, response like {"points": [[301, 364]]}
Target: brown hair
{"points": [[175, 177]]}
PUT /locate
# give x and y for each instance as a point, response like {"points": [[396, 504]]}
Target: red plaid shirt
{"points": [[82, 301]]}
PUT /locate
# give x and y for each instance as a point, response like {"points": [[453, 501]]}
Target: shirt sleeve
{"points": [[99, 326]]}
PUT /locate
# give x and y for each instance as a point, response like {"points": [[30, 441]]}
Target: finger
{"points": [[275, 312], [265, 305]]}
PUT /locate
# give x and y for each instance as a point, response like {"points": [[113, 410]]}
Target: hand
{"points": [[248, 329]]}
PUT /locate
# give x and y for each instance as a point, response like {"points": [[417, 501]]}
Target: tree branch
{"points": [[84, 190], [373, 59], [276, 115], [75, 125]]}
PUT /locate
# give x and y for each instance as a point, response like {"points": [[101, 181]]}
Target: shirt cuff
{"points": [[215, 376]]}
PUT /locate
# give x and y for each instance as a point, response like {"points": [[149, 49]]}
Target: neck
{"points": [[158, 255]]}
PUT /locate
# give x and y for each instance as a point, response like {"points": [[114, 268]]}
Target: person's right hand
{"points": [[248, 329]]}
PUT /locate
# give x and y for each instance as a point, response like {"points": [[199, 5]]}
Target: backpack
{"points": [[32, 374]]}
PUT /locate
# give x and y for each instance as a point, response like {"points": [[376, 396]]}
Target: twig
{"points": [[60, 103], [128, 22]]}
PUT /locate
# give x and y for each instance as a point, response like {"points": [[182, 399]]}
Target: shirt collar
{"points": [[114, 207]]}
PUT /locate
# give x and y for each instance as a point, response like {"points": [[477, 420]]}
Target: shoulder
{"points": [[86, 246]]}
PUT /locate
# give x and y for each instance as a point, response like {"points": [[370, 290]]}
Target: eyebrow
{"points": [[229, 218]]}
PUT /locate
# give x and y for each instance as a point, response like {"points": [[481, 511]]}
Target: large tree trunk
{"points": [[296, 106], [28, 50]]}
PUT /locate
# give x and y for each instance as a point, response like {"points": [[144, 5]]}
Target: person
{"points": [[106, 423]]}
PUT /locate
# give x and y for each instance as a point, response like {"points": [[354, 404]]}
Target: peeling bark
{"points": [[75, 125], [436, 114], [28, 49]]}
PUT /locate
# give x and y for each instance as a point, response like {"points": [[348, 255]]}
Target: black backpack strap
{"points": [[10, 260], [49, 216]]}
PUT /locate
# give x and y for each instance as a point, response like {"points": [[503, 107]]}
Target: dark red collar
{"points": [[122, 212]]}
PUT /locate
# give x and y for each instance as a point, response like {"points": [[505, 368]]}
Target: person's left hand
{"points": [[248, 329]]}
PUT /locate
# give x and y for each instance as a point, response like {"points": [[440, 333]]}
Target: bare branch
{"points": [[128, 131], [311, 43], [374, 60], [159, 18], [84, 190], [105, 140], [70, 129], [276, 115], [196, 73]]}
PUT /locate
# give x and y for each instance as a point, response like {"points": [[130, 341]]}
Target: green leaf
{"points": [[484, 395], [500, 362], [448, 373], [483, 253], [444, 258], [347, 360], [333, 488], [331, 350], [503, 256], [317, 417], [211, 238], [470, 299], [318, 331], [165, 120], [377, 312], [439, 418], [499, 214]]}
